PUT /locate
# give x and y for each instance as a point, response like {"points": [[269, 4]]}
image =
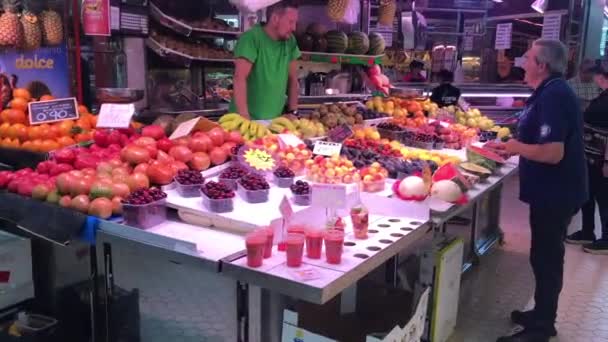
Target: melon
{"points": [[446, 190], [412, 186], [316, 30], [476, 170], [376, 44], [319, 44], [358, 43], [484, 158], [305, 42], [337, 41], [450, 172]]}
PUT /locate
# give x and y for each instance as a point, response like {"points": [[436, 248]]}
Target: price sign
{"points": [[326, 148], [52, 111], [184, 128], [503, 36], [285, 208], [340, 133], [289, 140], [328, 195], [552, 26], [114, 115]]}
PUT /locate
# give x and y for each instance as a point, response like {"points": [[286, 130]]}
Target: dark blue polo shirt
{"points": [[552, 114]]}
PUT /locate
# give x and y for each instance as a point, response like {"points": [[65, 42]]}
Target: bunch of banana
{"points": [[250, 130], [282, 125]]}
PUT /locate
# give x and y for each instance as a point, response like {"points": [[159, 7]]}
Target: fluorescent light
{"points": [[539, 5], [498, 1], [497, 95]]}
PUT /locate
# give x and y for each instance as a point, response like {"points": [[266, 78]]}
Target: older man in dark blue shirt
{"points": [[553, 180]]}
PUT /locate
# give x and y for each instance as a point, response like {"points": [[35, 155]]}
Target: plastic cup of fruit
{"points": [[188, 190], [314, 243], [374, 186], [230, 182], [360, 219], [256, 246], [217, 205], [283, 182], [334, 241], [145, 216], [269, 240], [253, 196], [294, 247], [302, 199]]}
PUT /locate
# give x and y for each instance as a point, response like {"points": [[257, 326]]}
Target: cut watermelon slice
{"points": [[484, 158]]}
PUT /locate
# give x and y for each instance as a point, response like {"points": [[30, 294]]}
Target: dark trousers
{"points": [[549, 228], [598, 192]]}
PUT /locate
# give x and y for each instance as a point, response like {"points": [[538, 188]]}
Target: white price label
{"points": [[327, 148], [289, 140], [115, 115], [285, 208], [503, 36], [184, 128], [328, 195]]}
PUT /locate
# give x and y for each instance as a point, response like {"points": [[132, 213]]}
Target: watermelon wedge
{"points": [[484, 158]]}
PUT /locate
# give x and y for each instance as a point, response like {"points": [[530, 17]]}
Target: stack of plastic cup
{"points": [[334, 241], [294, 246], [269, 241], [314, 243], [256, 247]]}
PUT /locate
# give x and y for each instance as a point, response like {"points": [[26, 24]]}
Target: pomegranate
{"points": [[160, 173], [200, 161], [217, 136], [201, 143], [218, 156], [181, 153], [153, 131]]}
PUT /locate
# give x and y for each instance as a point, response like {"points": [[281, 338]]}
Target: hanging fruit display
{"points": [[11, 31], [386, 12], [52, 27], [336, 9], [32, 31]]}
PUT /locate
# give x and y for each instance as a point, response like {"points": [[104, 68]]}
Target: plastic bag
{"points": [[252, 5], [351, 16]]}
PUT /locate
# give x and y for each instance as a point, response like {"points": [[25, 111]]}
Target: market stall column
{"points": [[265, 65]]}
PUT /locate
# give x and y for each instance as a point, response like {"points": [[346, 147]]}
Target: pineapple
{"points": [[386, 12], [32, 32], [52, 27], [336, 9], [11, 31]]}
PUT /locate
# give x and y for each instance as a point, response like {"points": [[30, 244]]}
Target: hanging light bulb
{"points": [[539, 6]]}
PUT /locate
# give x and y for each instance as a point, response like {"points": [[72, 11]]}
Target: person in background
{"points": [[583, 85], [14, 79], [596, 149], [445, 94], [415, 73], [6, 92], [266, 65], [553, 180]]}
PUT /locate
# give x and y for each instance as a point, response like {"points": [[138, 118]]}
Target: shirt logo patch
{"points": [[545, 130]]}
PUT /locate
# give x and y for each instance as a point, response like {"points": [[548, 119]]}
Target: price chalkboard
{"points": [[340, 133], [53, 110]]}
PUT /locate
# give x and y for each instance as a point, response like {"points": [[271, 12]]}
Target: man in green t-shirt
{"points": [[265, 65]]}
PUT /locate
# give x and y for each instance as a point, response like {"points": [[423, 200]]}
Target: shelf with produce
{"points": [[341, 58], [187, 30], [180, 56]]}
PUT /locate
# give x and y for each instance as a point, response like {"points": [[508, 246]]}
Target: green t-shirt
{"points": [[267, 81]]}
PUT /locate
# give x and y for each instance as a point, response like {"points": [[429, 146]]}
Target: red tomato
{"points": [[120, 189], [164, 144], [101, 207], [135, 154], [81, 203], [138, 181]]}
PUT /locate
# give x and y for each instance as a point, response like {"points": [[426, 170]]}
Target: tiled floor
{"points": [[503, 282]]}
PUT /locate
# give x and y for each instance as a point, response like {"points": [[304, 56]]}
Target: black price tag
{"points": [[340, 133], [53, 110]]}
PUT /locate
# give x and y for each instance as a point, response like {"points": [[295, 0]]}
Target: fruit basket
{"points": [[221, 205], [302, 199], [188, 190], [231, 183], [145, 216], [253, 196], [283, 182], [390, 131], [188, 183]]}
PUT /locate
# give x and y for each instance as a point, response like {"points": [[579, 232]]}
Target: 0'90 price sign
{"points": [[53, 110]]}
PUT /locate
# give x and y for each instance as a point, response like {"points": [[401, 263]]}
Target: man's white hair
{"points": [[553, 53]]}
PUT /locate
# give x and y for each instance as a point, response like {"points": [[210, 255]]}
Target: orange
{"points": [[136, 125], [47, 132], [65, 141], [64, 128], [37, 145], [19, 103], [18, 131], [27, 145], [83, 123], [4, 115], [15, 116], [23, 93], [82, 110], [34, 132], [4, 129], [93, 120], [46, 98], [82, 137], [14, 143], [49, 145]]}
